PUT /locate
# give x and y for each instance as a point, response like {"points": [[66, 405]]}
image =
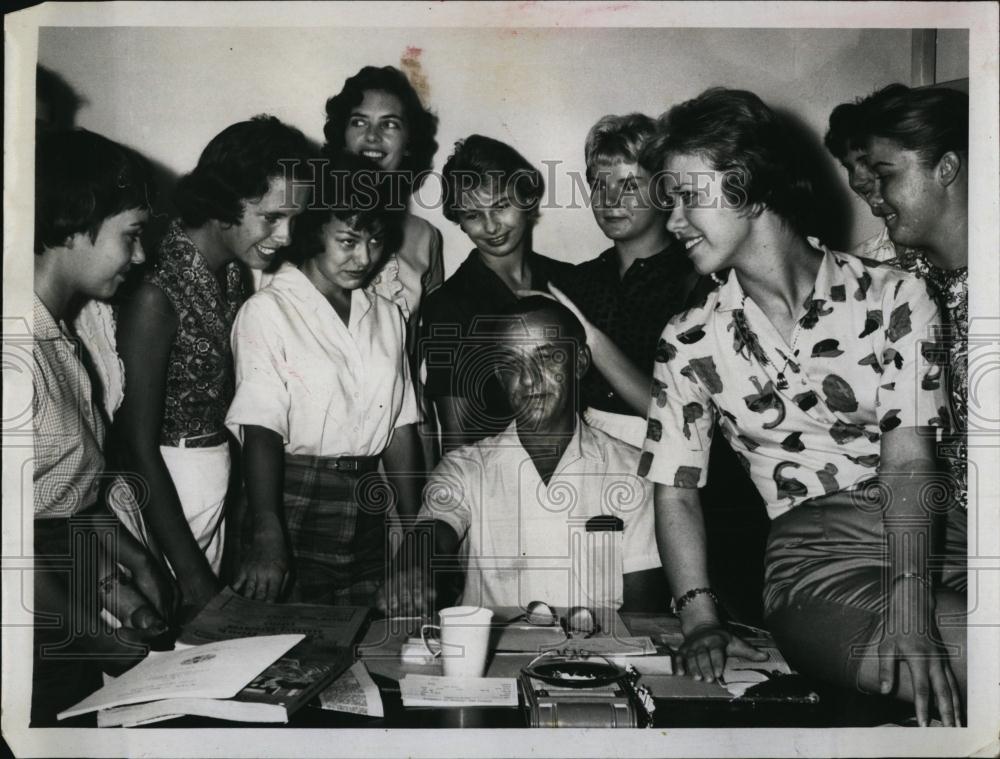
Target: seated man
{"points": [[548, 510]]}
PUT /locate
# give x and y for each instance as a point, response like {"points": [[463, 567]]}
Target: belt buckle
{"points": [[347, 465]]}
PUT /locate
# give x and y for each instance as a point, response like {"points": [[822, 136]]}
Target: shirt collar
{"points": [[583, 444], [45, 325], [291, 281]]}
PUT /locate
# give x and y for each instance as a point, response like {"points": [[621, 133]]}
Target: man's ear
{"points": [[949, 168]]}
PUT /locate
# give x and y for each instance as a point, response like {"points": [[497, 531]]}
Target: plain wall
{"points": [[167, 91]]}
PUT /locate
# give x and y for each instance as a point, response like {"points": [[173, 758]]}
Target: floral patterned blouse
{"points": [[805, 418], [950, 288], [200, 383]]}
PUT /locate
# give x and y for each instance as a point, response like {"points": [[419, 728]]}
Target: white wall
{"points": [[167, 91]]}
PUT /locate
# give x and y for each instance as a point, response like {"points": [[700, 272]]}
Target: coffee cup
{"points": [[464, 633]]}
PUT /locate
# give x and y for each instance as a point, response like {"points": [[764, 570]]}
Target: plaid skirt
{"points": [[337, 527]]}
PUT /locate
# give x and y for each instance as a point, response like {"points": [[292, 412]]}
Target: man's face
{"points": [[539, 372]]}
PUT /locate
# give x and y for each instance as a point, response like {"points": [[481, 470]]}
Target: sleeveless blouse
{"points": [[200, 381]]}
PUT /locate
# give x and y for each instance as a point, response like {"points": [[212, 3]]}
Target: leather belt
{"points": [[202, 441], [355, 464]]}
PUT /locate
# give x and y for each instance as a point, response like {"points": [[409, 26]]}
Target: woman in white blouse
{"points": [[379, 115], [323, 395]]}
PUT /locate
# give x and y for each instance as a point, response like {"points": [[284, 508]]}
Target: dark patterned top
{"points": [[459, 322], [199, 384], [950, 288], [631, 310], [805, 419]]}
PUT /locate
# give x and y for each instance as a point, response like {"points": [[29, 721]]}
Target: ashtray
{"points": [[573, 672]]}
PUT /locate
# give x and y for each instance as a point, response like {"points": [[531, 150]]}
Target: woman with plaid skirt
{"points": [[323, 396]]}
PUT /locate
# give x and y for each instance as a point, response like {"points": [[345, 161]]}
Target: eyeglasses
{"points": [[578, 620]]}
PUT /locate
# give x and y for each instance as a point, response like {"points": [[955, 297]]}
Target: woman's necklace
{"points": [[789, 358]]}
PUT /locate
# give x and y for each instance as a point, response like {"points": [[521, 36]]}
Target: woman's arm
{"points": [[404, 468], [907, 468], [264, 571], [681, 541], [624, 376], [146, 330]]}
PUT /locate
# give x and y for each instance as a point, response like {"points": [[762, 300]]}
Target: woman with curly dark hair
{"points": [[379, 115], [236, 210]]}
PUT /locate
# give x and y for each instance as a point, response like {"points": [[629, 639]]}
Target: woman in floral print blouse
{"points": [[236, 210], [906, 152], [819, 370]]}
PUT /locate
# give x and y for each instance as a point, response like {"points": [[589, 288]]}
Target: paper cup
{"points": [[465, 638]]}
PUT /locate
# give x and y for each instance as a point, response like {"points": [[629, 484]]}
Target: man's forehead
{"points": [[533, 330]]}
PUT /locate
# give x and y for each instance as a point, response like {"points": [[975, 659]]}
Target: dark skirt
{"points": [[827, 578], [66, 608], [337, 527]]}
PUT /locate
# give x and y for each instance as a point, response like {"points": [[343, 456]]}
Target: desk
{"points": [[785, 705]]}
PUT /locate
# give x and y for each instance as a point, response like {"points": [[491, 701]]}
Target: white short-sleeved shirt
{"points": [[525, 541], [865, 364], [327, 388]]}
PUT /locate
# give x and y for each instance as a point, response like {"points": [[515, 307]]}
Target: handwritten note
{"points": [[427, 690]]}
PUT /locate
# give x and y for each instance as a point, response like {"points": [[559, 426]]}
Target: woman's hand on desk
{"points": [[705, 648], [264, 572]]}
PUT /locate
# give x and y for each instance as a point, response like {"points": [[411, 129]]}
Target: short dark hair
{"points": [[614, 136], [736, 133], [930, 121], [81, 179], [420, 122], [847, 126], [478, 161], [552, 311], [352, 189], [238, 165]]}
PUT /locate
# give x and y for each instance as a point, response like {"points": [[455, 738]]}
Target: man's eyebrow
{"points": [[882, 163]]}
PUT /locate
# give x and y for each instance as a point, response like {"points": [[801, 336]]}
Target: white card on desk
{"points": [[428, 690]]}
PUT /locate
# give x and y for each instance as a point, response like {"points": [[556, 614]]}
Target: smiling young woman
{"points": [[323, 397], [236, 211], [492, 192], [813, 365], [379, 115]]}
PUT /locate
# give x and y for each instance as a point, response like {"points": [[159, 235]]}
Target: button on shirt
{"points": [[861, 363], [327, 388], [69, 431], [526, 541]]}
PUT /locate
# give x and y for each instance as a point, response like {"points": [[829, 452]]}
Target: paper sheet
{"points": [[425, 690], [354, 692]]}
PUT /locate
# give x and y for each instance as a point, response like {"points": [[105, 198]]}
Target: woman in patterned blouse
{"points": [[236, 207], [814, 365]]}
